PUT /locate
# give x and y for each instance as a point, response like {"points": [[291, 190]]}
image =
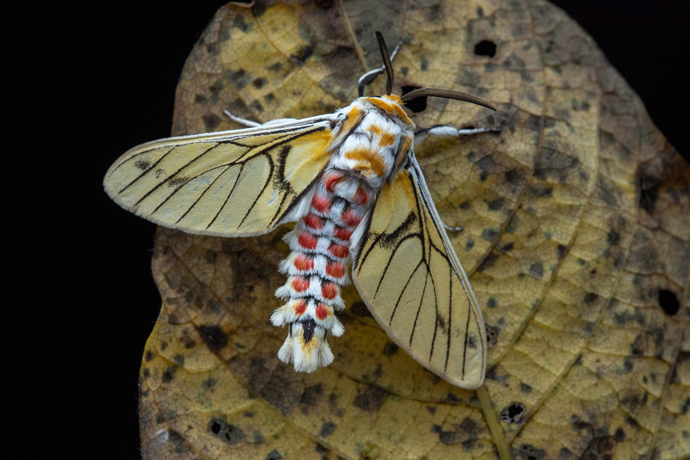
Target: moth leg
{"points": [[242, 121], [254, 124], [444, 130], [459, 228], [370, 76]]}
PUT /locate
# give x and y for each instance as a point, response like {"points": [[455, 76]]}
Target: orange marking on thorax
{"points": [[367, 159], [300, 284], [303, 263], [391, 104], [354, 116], [307, 240], [387, 139]]}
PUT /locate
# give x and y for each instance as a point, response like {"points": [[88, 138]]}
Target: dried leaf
{"points": [[577, 237]]}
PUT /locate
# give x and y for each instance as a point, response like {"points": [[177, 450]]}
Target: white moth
{"points": [[352, 184]]}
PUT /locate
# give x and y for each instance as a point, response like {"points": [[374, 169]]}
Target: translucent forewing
{"points": [[233, 183], [410, 278]]}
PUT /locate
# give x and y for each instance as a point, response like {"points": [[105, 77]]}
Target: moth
{"points": [[352, 184]]}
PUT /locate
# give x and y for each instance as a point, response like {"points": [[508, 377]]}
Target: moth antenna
{"points": [[447, 94], [386, 62], [370, 76]]}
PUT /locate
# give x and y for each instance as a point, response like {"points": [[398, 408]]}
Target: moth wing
{"points": [[409, 276], [232, 183]]}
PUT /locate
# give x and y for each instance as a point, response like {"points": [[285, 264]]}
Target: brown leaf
{"points": [[577, 237]]}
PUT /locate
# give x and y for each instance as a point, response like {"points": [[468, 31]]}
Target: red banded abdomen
{"points": [[317, 269]]}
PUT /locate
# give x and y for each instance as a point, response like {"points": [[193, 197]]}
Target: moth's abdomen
{"points": [[317, 269]]}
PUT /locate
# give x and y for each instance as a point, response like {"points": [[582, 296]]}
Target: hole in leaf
{"points": [[416, 105], [668, 301], [513, 413], [485, 48]]}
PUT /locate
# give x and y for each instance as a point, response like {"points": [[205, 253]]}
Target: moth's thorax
{"points": [[373, 137]]}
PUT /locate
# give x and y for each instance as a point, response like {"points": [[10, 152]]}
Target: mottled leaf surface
{"points": [[576, 241]]}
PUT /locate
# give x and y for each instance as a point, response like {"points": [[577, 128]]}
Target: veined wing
{"points": [[410, 278], [231, 183]]}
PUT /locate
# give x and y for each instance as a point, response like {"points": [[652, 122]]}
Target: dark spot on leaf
{"points": [[213, 336], [370, 398], [525, 388], [169, 374], [529, 452], [324, 4], [507, 247], [327, 429], [513, 62], [541, 192], [181, 447], [274, 455], [490, 234], [209, 383], [612, 238], [179, 360], [149, 355], [238, 78], [590, 297], [619, 435], [668, 301], [492, 302], [302, 55], [146, 373], [360, 309], [210, 121], [469, 245], [390, 349], [431, 409], [536, 270], [312, 395], [488, 261], [561, 250], [280, 392], [239, 23], [648, 192], [259, 83], [495, 205], [269, 98], [417, 104], [424, 64], [485, 48], [513, 413]]}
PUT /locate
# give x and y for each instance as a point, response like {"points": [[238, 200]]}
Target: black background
{"points": [[90, 81]]}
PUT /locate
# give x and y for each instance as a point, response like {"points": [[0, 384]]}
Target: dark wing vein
{"points": [[397, 302], [227, 197]]}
